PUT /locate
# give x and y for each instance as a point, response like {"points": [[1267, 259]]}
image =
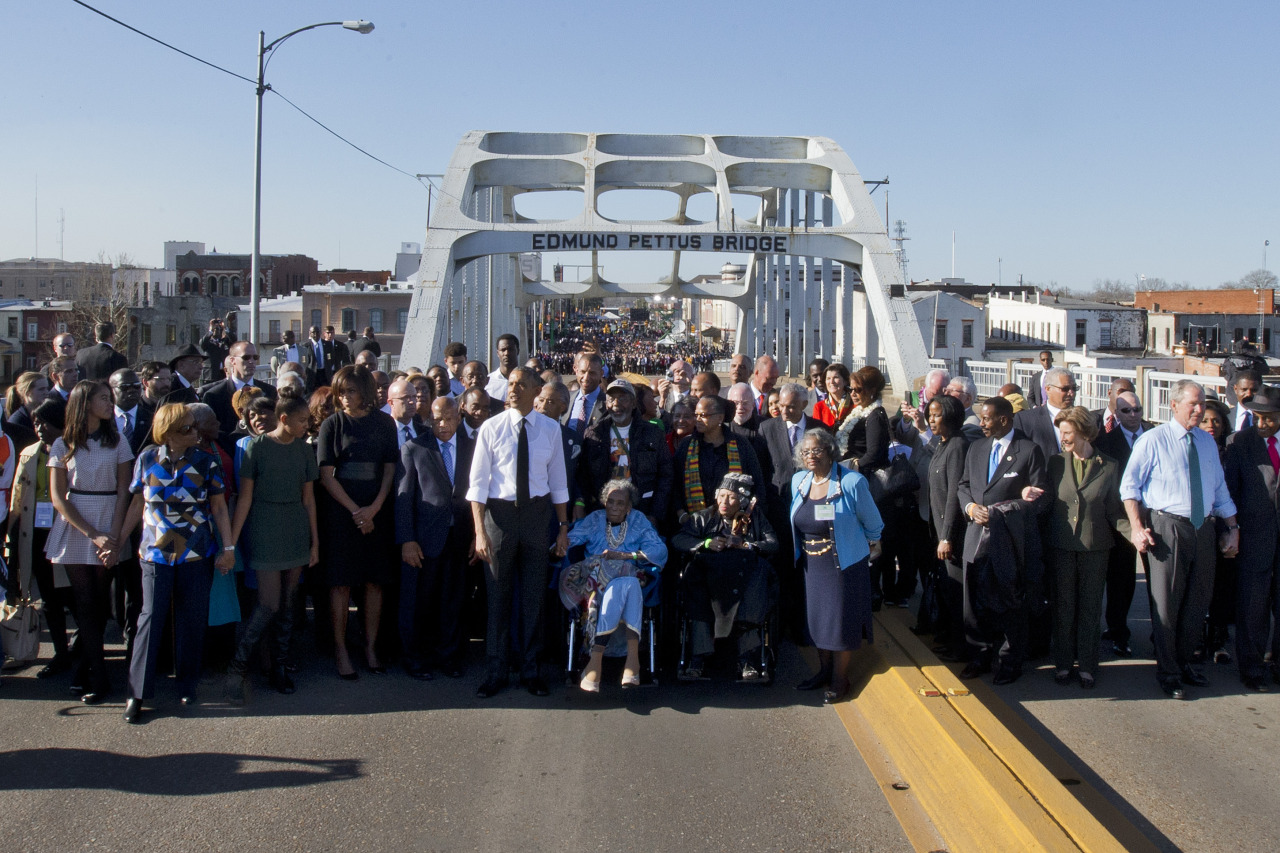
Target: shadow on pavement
{"points": [[182, 774]]}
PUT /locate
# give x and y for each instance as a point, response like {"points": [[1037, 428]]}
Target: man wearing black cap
{"points": [[622, 445], [1253, 478], [186, 367]]}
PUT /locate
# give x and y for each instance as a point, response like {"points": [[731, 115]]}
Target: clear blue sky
{"points": [[1076, 141]]}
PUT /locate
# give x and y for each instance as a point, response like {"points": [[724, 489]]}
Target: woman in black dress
{"points": [[357, 454], [946, 419]]}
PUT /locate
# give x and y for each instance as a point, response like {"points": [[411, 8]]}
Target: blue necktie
{"points": [[994, 463], [1197, 488], [447, 450]]}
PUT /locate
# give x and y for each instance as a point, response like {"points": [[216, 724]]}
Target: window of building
{"points": [[1239, 334], [375, 320], [146, 334], [316, 316], [1253, 334], [62, 326], [940, 333], [194, 333], [1081, 327], [348, 319], [273, 330], [296, 326], [213, 284], [170, 335], [402, 320], [1266, 340], [42, 284], [31, 362], [1104, 333], [966, 333], [13, 327], [33, 331], [235, 285], [1166, 339]]}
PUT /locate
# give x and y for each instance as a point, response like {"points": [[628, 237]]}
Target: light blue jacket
{"points": [[857, 519], [591, 531]]}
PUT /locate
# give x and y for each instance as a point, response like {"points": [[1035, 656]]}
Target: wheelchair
{"points": [[577, 624], [762, 658]]}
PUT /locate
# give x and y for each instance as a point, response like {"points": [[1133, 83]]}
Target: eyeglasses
{"points": [[813, 451]]}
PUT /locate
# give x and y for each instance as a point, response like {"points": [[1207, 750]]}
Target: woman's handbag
{"points": [[20, 630]]}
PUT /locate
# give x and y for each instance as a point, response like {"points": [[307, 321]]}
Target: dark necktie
{"points": [[1197, 489], [127, 429], [446, 450], [522, 466]]}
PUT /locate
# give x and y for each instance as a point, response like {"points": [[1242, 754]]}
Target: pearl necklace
{"points": [[819, 482], [615, 542]]}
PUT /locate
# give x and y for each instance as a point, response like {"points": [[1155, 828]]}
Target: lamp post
{"points": [[255, 263]]}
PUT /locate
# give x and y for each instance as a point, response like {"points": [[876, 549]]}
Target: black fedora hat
{"points": [[1266, 399], [187, 351]]}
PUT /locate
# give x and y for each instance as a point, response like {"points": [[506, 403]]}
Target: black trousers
{"points": [[518, 543], [1180, 570], [1122, 580], [431, 604], [1000, 635]]}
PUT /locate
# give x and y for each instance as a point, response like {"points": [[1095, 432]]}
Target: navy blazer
{"points": [[426, 504], [217, 395], [1023, 464]]}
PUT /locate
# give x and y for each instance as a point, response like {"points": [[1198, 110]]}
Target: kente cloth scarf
{"points": [[695, 498]]}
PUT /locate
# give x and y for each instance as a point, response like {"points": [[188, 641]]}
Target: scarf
{"points": [[695, 497], [844, 429]]}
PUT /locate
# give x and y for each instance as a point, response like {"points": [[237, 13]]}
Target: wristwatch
{"points": [[229, 548]]}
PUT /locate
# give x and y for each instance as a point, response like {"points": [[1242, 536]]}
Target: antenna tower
{"points": [[62, 235], [900, 254]]}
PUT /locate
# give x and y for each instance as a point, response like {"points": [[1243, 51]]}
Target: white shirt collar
{"points": [[132, 413]]}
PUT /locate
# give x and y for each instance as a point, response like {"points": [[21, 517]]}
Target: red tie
{"points": [[1111, 422], [760, 403], [1275, 456]]}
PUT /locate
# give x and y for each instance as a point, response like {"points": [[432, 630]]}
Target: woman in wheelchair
{"points": [[625, 553], [729, 582]]}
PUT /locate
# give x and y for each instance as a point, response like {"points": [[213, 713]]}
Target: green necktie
{"points": [[1197, 490]]}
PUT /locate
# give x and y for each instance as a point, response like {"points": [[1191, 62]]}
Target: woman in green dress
{"points": [[277, 502]]}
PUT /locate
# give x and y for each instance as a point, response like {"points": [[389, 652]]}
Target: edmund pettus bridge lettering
{"points": [[587, 240]]}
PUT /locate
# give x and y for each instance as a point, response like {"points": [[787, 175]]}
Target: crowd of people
{"points": [[625, 346], [192, 501]]}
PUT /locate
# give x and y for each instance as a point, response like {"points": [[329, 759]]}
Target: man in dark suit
{"points": [[217, 395], [186, 367], [1122, 561], [587, 406], [1037, 424], [341, 352], [779, 436], [321, 356], [215, 347], [1244, 385], [368, 342], [1003, 573], [435, 531], [1106, 419], [1253, 478], [101, 360], [1038, 384], [626, 446]]}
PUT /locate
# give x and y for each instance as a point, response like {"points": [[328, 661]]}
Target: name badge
{"points": [[824, 512], [44, 514]]}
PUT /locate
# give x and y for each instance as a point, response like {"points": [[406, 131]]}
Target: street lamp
{"points": [[255, 264]]}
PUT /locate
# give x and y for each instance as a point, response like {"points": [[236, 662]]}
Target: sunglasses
{"points": [[1130, 410], [1066, 387]]}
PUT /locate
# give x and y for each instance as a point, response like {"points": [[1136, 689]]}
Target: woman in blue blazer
{"points": [[837, 530]]}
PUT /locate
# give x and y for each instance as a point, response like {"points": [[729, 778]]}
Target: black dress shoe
{"points": [[1256, 683], [834, 695], [974, 668], [492, 687], [281, 682], [821, 679], [133, 711], [1007, 676], [188, 701], [60, 664], [1191, 678], [1121, 650], [1173, 690], [536, 687], [97, 697], [1062, 678]]}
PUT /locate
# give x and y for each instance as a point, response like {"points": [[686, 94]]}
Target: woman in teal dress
{"points": [[277, 502]]}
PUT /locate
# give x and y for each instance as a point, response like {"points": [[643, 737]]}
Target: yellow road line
{"points": [[951, 770]]}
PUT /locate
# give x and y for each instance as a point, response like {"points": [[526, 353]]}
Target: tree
{"points": [[1258, 279], [101, 300]]}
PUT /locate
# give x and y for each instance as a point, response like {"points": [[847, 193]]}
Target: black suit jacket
{"points": [[649, 459], [185, 395], [1256, 491], [946, 469], [1037, 425], [1023, 464], [143, 415], [217, 395], [99, 361], [594, 416], [426, 504], [341, 357], [1035, 395], [1115, 445], [777, 464], [363, 344]]}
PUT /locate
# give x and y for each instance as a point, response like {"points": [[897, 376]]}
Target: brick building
{"points": [[228, 275], [1243, 300]]}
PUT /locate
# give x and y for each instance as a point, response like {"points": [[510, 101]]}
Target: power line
{"points": [[163, 43], [317, 121]]}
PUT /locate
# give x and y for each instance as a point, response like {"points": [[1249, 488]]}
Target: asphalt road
{"points": [[391, 763]]}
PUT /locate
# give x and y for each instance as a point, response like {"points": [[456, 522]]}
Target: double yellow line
{"points": [[959, 777]]}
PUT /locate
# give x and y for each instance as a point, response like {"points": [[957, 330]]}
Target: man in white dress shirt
{"points": [[508, 357], [517, 479]]}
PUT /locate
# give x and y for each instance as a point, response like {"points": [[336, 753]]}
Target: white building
{"points": [[275, 316], [140, 286], [408, 259], [953, 328], [174, 249], [1053, 322]]}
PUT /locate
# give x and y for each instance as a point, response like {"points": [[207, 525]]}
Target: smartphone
{"points": [[913, 399]]}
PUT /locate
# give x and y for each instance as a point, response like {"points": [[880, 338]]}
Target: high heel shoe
{"points": [[836, 694], [632, 680]]}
